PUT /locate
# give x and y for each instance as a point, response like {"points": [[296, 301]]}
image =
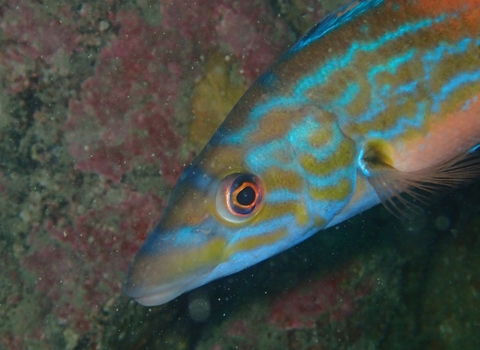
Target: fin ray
{"points": [[393, 186]]}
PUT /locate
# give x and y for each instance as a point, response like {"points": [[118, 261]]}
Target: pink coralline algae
{"points": [[301, 307], [10, 341], [37, 38], [249, 44], [35, 35], [125, 112], [84, 266], [249, 30]]}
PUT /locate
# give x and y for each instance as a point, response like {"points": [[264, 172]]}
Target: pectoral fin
{"points": [[391, 185]]}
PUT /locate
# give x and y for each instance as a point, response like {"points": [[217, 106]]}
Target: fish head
{"points": [[214, 225], [242, 200]]}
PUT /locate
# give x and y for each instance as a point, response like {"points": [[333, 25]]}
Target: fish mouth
{"points": [[157, 276], [157, 295], [155, 279]]}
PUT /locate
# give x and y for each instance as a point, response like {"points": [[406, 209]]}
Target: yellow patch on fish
{"points": [[213, 97]]}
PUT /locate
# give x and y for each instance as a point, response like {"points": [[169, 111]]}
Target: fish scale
{"points": [[355, 113]]}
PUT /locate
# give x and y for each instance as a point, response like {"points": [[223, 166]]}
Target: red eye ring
{"points": [[243, 199], [239, 197]]}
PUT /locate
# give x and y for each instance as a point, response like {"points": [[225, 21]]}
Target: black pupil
{"points": [[246, 196]]}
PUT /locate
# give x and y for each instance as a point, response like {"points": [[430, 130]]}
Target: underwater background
{"points": [[102, 103]]}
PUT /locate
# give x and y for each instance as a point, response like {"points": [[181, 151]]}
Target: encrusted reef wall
{"points": [[100, 107]]}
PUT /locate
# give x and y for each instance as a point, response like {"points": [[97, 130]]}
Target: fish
{"points": [[379, 99]]}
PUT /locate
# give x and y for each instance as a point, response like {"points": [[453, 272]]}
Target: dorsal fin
{"points": [[334, 20], [391, 184]]}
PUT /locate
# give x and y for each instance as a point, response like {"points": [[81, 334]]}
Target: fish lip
{"points": [[154, 299], [157, 295]]}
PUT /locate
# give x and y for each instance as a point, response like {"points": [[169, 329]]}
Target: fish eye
{"points": [[239, 197]]}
